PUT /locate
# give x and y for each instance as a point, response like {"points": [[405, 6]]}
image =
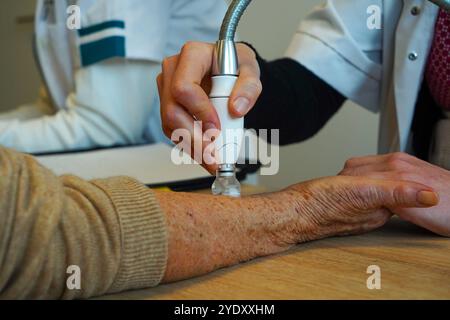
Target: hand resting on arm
{"points": [[125, 236]]}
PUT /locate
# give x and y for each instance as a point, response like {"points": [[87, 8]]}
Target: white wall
{"points": [[269, 26]]}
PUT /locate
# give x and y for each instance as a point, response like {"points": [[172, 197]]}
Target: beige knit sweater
{"points": [[112, 229]]}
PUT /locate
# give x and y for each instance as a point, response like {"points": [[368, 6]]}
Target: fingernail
{"points": [[209, 126], [427, 198], [241, 105]]}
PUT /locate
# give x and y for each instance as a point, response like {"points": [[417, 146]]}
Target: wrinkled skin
{"points": [[352, 205], [209, 232], [403, 167], [184, 86]]}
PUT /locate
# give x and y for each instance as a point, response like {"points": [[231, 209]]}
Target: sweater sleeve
{"points": [[294, 100], [112, 231]]}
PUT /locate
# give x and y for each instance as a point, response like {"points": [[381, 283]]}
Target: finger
{"points": [[210, 150], [173, 115], [176, 121], [168, 105], [392, 158], [378, 167], [176, 118], [183, 125], [210, 164], [178, 124], [248, 87], [190, 138], [397, 176], [395, 194], [367, 194], [193, 66]]}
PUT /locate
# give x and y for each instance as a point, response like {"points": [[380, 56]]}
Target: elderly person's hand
{"points": [[184, 85], [351, 205], [400, 166]]}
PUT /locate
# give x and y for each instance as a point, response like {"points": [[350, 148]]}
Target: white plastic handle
{"points": [[229, 142]]}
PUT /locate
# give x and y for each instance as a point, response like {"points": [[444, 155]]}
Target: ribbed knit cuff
{"points": [[143, 234]]}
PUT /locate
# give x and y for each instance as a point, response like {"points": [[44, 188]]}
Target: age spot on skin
{"points": [[190, 214], [306, 195]]}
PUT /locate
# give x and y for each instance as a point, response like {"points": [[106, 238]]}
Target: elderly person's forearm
{"points": [[208, 232], [122, 235]]}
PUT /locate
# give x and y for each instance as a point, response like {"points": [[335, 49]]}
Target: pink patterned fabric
{"points": [[438, 68]]}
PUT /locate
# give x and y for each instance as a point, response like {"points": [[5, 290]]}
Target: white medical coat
{"points": [[380, 69], [100, 79]]}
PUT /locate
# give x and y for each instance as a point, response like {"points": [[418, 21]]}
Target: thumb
{"points": [[246, 91], [396, 194]]}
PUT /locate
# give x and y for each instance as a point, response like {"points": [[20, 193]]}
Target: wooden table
{"points": [[414, 264]]}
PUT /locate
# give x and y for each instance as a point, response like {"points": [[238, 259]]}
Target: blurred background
{"points": [[269, 25]]}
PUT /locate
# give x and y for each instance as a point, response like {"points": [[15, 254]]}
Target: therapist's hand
{"points": [[400, 166], [184, 85]]}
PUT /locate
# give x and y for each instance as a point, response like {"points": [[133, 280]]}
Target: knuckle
{"points": [[242, 47], [254, 85], [181, 89], [398, 161], [350, 163], [398, 156], [393, 165], [167, 63], [190, 46], [348, 172], [396, 164]]}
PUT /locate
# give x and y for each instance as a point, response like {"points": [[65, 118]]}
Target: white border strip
{"points": [[111, 32]]}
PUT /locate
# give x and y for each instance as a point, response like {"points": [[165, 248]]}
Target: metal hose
{"points": [[232, 18]]}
